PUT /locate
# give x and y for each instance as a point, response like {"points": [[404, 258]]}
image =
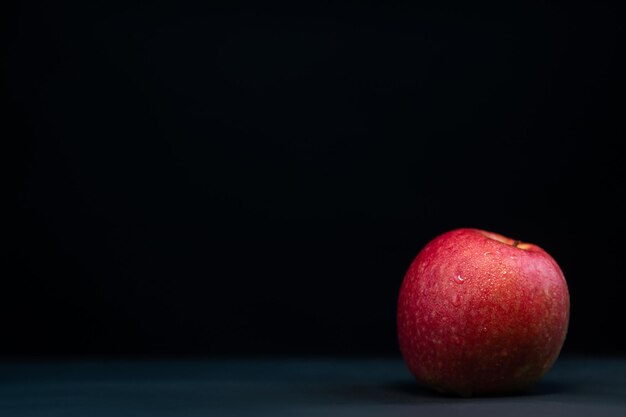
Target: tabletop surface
{"points": [[290, 386]]}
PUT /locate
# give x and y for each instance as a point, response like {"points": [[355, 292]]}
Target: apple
{"points": [[480, 313]]}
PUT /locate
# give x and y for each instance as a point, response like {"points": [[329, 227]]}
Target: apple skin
{"points": [[481, 314]]}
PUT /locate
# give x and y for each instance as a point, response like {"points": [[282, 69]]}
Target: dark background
{"points": [[235, 178]]}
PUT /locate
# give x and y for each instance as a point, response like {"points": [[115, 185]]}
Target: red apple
{"points": [[479, 313]]}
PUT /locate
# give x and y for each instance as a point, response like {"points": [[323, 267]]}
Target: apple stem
{"points": [[517, 242]]}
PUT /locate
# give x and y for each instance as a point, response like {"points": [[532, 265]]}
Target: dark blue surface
{"points": [[321, 386]]}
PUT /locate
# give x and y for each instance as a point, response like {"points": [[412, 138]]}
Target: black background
{"points": [[236, 178]]}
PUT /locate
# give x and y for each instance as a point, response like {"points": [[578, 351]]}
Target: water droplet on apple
{"points": [[456, 300], [458, 279], [487, 253]]}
